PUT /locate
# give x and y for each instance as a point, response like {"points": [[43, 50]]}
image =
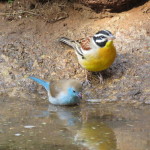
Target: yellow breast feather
{"points": [[102, 60]]}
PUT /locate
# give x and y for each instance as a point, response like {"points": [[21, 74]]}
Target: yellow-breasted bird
{"points": [[95, 53]]}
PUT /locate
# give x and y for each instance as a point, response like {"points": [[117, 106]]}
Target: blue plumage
{"points": [[41, 82], [63, 92]]}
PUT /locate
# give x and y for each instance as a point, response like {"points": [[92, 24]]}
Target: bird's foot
{"points": [[87, 83], [101, 80]]}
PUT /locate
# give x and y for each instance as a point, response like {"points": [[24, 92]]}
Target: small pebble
{"points": [[29, 127], [17, 134]]}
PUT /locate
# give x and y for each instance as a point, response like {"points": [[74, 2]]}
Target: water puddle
{"points": [[36, 124]]}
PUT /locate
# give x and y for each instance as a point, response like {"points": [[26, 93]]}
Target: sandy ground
{"points": [[29, 46]]}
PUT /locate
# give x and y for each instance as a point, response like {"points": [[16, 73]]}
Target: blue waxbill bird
{"points": [[62, 92]]}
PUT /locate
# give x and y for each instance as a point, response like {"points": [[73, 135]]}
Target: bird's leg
{"points": [[87, 81], [101, 80]]}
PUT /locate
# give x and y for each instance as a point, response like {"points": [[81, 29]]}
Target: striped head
{"points": [[101, 37]]}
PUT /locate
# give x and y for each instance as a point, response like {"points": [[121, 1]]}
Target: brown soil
{"points": [[112, 5], [29, 46]]}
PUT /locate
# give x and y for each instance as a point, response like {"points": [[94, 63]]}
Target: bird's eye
{"points": [[102, 37], [74, 91]]}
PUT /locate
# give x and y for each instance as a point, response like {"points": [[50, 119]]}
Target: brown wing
{"points": [[56, 87], [85, 43], [62, 85]]}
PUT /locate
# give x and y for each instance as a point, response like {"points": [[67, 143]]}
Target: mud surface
{"points": [[29, 46]]}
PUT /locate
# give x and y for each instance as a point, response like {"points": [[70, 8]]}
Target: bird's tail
{"points": [[75, 45], [67, 41], [41, 82]]}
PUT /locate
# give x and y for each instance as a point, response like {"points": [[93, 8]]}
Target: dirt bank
{"points": [[29, 46]]}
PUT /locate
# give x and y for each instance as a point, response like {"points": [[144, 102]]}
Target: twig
{"points": [[19, 12]]}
